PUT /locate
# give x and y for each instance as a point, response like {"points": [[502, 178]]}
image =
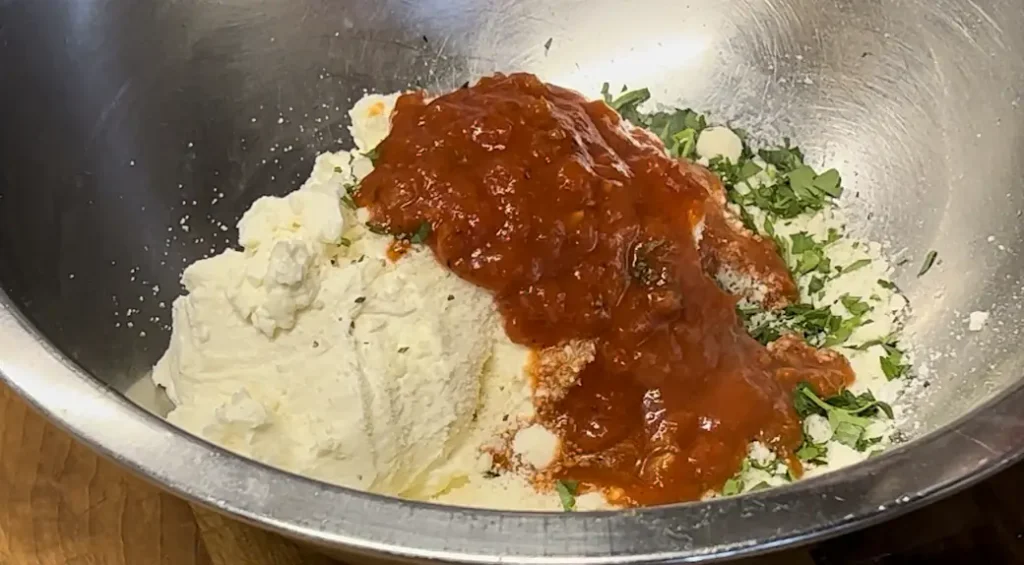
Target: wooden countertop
{"points": [[61, 504]]}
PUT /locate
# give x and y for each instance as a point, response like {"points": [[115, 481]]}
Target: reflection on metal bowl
{"points": [[122, 118]]}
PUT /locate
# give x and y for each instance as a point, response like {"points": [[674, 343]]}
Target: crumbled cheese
{"points": [[977, 320], [719, 141], [817, 429], [536, 446]]}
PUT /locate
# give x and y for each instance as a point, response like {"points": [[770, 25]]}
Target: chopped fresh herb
{"points": [[345, 242], [338, 169], [854, 305], [642, 267], [360, 299], [451, 297], [547, 45], [784, 158], [812, 452], [887, 285], [626, 105], [828, 182], [929, 261], [422, 233], [810, 260], [373, 154], [816, 285], [856, 265], [377, 228], [864, 443], [802, 242], [567, 493], [347, 201], [491, 474], [403, 349], [848, 433], [732, 487], [892, 364], [848, 414]]}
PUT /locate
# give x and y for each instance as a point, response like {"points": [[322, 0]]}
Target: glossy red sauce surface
{"points": [[584, 229]]}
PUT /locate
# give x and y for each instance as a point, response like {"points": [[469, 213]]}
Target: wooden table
{"points": [[61, 504]]}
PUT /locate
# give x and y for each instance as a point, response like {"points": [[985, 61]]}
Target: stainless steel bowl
{"points": [[123, 120]]}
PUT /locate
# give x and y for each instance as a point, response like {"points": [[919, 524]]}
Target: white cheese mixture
{"points": [[311, 351]]}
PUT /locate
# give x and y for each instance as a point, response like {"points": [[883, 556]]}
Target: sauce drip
{"points": [[584, 229]]}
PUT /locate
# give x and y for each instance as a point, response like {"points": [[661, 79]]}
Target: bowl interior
{"points": [[137, 134]]}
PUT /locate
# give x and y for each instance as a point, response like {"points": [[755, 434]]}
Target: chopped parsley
{"points": [[422, 233], [567, 490], [377, 229], [812, 452], [848, 414], [929, 261], [768, 187], [892, 363], [373, 154], [642, 267], [732, 487], [856, 265], [346, 242]]}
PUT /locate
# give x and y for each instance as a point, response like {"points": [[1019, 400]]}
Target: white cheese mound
{"points": [[331, 361], [375, 386], [719, 141], [976, 321]]}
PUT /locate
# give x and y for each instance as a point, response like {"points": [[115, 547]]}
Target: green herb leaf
{"points": [[856, 265], [802, 242], [929, 260], [887, 284], [346, 242], [784, 158], [847, 413], [626, 105], [732, 487], [854, 305], [422, 233], [848, 434], [864, 443], [567, 493], [377, 229], [828, 182], [643, 265], [373, 154], [809, 261], [812, 452]]}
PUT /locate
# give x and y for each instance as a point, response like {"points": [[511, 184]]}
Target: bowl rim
{"points": [[937, 464]]}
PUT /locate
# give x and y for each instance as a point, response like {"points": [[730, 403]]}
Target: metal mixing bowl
{"points": [[125, 120]]}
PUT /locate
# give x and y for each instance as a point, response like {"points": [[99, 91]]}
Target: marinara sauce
{"points": [[583, 228]]}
